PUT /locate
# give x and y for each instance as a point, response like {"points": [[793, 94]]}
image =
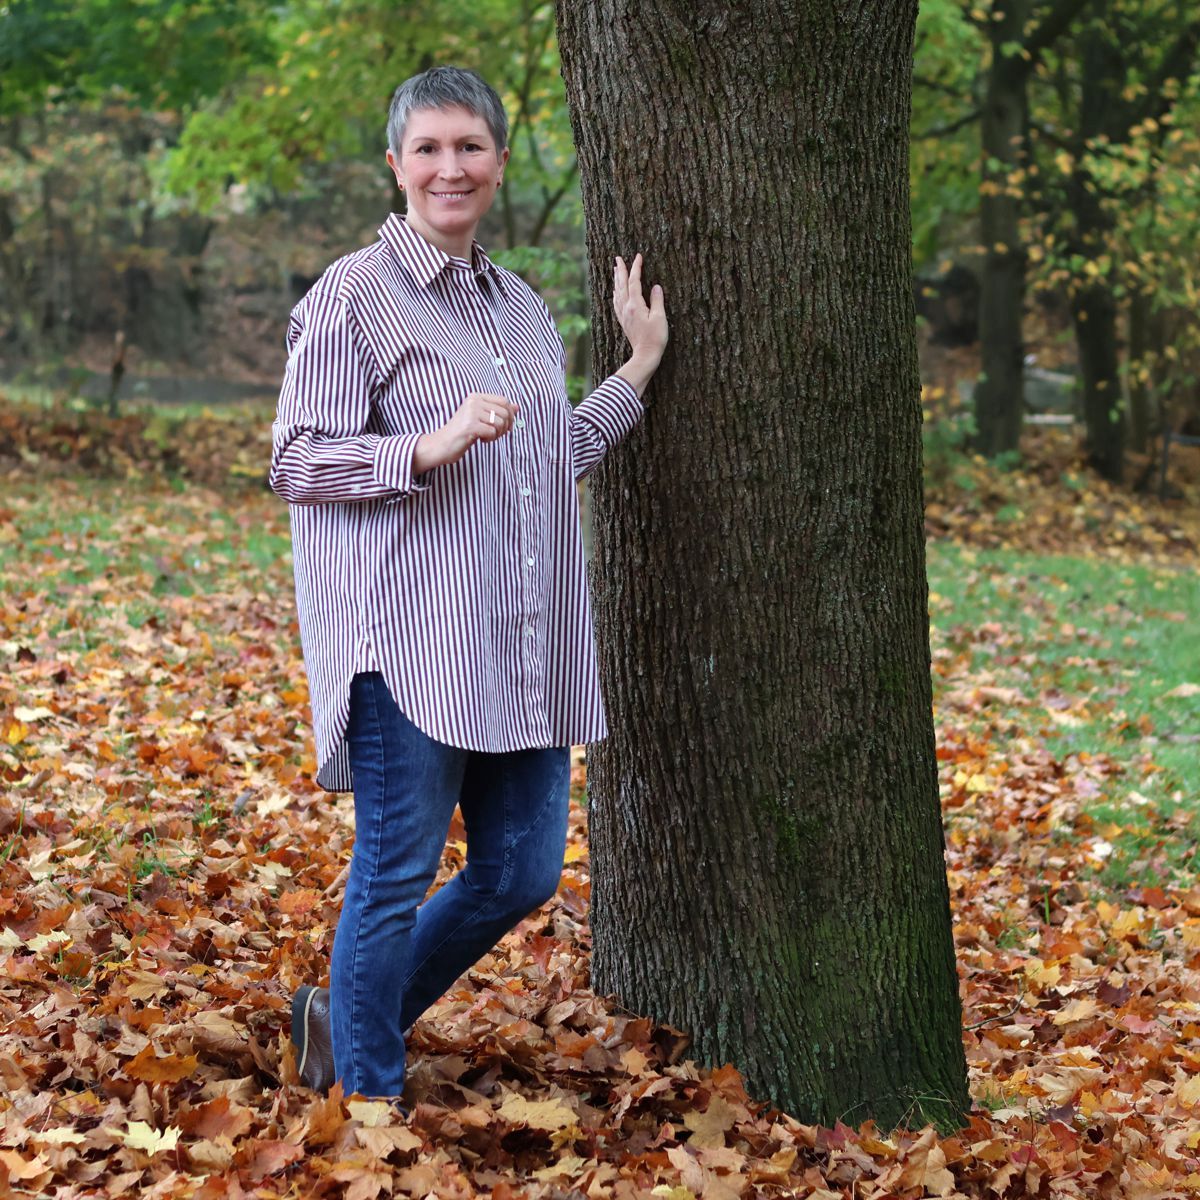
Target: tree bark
{"points": [[1000, 393], [767, 849]]}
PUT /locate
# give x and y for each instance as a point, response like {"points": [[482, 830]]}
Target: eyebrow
{"points": [[466, 137]]}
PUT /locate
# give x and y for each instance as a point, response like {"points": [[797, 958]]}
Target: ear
{"points": [[503, 158], [395, 166]]}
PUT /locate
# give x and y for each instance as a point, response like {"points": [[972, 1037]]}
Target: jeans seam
{"points": [[356, 975], [509, 847]]}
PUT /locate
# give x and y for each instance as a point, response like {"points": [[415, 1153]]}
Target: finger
{"points": [[621, 279], [657, 305], [635, 275]]}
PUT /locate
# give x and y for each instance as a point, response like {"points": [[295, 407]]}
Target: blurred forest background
{"points": [[175, 173]]}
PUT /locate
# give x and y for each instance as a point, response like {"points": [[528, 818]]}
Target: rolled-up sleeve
{"points": [[322, 451], [601, 421]]}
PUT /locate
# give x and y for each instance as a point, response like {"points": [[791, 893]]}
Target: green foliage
{"points": [[944, 159], [946, 437], [129, 127], [325, 94], [164, 54]]}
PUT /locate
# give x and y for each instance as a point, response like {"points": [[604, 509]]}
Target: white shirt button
{"points": [[500, 360], [530, 561], [526, 491], [520, 422], [529, 631]]}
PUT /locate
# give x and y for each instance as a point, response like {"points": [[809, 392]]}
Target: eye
{"points": [[472, 146], [422, 149]]}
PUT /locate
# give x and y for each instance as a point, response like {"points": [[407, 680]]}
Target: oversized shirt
{"points": [[464, 585]]}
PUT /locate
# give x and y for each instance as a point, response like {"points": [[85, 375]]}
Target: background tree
{"points": [[1019, 32], [134, 129], [766, 837], [1129, 67]]}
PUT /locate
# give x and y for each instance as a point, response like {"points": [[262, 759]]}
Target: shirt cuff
{"points": [[613, 408], [394, 463]]}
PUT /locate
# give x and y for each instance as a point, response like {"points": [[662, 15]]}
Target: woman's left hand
{"points": [[645, 325]]}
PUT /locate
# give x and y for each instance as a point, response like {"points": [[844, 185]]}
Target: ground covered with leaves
{"points": [[169, 874]]}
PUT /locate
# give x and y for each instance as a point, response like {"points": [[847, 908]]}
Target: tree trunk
{"points": [[1145, 344], [1000, 394], [1094, 314], [1093, 307], [767, 848]]}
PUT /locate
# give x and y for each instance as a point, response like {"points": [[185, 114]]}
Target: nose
{"points": [[451, 167]]}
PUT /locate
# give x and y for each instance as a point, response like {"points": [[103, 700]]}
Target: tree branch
{"points": [[940, 131], [936, 85]]}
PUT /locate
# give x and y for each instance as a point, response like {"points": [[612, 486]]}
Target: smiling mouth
{"points": [[451, 195]]}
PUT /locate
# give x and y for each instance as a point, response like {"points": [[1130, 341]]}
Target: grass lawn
{"points": [[1085, 654]]}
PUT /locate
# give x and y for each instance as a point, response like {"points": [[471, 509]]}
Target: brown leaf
{"points": [[169, 1068], [269, 1157], [217, 1118], [709, 1127]]}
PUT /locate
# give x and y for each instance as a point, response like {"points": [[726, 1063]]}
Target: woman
{"points": [[426, 445]]}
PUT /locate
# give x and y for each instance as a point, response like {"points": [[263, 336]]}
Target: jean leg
{"points": [[515, 809], [405, 789]]}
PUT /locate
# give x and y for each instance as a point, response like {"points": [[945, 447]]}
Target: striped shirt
{"points": [[464, 585]]}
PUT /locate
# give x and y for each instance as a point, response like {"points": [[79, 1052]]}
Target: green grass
{"points": [[115, 530], [1094, 646], [167, 414]]}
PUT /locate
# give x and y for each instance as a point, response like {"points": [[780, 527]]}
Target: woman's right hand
{"points": [[481, 417]]}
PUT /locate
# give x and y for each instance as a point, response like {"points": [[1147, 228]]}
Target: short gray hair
{"points": [[446, 87]]}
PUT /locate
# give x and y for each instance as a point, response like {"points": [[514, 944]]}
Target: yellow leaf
{"points": [[1130, 923], [58, 1137], [371, 1113], [146, 985], [1188, 1092], [574, 853], [140, 1136], [537, 1114], [1038, 972], [1077, 1010]]}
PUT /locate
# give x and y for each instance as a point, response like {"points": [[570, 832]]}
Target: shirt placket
{"points": [[522, 450]]}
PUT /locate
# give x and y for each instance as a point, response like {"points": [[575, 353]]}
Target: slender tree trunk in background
{"points": [[1000, 394], [1093, 307], [1094, 315], [767, 850], [1142, 347]]}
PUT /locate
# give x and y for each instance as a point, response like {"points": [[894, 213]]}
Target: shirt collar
{"points": [[425, 261]]}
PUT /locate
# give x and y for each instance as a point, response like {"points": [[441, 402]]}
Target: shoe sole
{"points": [[301, 1003]]}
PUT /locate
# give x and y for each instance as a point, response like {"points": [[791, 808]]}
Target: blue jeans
{"points": [[392, 955]]}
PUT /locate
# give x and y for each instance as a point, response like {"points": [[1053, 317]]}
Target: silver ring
{"points": [[492, 415]]}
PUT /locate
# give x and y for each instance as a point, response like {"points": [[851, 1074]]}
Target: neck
{"points": [[456, 245]]}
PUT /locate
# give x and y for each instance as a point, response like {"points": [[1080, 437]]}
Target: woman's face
{"points": [[450, 171]]}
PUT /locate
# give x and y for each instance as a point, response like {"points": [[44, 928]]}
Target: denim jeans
{"points": [[392, 955]]}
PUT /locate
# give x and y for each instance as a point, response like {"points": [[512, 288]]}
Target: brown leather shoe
{"points": [[312, 1038]]}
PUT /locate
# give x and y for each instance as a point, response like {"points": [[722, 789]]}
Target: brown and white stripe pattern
{"points": [[465, 586]]}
